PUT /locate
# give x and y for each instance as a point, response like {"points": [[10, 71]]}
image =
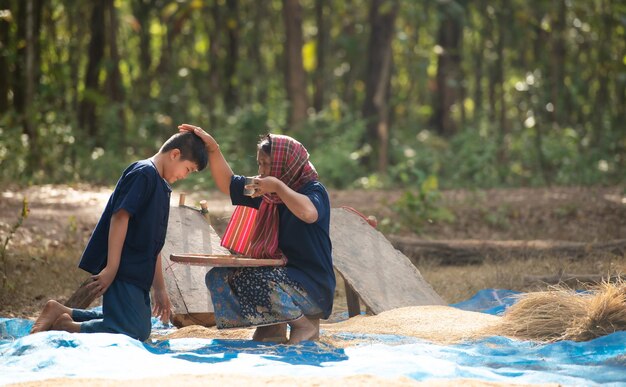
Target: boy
{"points": [[124, 251]]}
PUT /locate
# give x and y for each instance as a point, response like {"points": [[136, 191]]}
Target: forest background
{"points": [[430, 94]]}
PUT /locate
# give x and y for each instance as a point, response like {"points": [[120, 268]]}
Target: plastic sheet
{"points": [[45, 355], [490, 301]]}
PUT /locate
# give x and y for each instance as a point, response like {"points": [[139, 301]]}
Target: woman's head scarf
{"points": [[291, 165]]}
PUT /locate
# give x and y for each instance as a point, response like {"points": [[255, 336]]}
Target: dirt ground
{"points": [[41, 257]]}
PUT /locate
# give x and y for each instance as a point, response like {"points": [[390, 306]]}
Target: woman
{"points": [[292, 224]]}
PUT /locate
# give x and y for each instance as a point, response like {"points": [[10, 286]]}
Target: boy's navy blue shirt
{"points": [[146, 196], [308, 247]]}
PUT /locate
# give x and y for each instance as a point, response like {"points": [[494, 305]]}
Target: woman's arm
{"points": [[300, 205], [220, 170]]}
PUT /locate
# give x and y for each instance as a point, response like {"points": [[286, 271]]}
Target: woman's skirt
{"points": [[256, 296]]}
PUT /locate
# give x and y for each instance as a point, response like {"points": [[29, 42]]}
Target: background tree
{"points": [[377, 81], [91, 94], [382, 92], [449, 80], [295, 77], [5, 43]]}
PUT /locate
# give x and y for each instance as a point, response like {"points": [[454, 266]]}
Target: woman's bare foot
{"points": [[304, 329], [276, 333], [50, 313], [65, 323]]}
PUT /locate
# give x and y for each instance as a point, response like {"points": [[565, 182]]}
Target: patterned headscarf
{"points": [[290, 164]]}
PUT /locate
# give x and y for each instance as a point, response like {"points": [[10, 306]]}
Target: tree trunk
{"points": [[87, 110], [320, 70], [215, 49], [448, 91], [19, 84], [499, 83], [27, 74], [232, 26], [261, 84], [350, 77], [558, 54], [478, 75], [377, 79], [295, 77], [602, 97], [115, 89], [142, 12], [5, 47]]}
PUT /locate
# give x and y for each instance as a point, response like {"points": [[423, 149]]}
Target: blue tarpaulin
{"points": [[46, 355]]}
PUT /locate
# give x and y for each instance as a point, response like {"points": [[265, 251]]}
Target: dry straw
{"points": [[561, 313]]}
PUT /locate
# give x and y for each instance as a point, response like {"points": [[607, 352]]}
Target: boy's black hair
{"points": [[191, 148]]}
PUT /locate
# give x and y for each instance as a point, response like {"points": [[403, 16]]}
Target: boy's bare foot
{"points": [[65, 323], [276, 333], [304, 329], [50, 313]]}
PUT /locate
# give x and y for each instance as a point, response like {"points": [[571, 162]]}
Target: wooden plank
{"points": [[352, 299], [223, 260], [383, 277], [188, 232], [82, 297], [463, 252]]}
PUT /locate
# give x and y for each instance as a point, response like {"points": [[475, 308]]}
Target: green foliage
{"points": [[546, 109], [3, 249], [472, 160], [419, 205], [13, 150], [333, 144]]}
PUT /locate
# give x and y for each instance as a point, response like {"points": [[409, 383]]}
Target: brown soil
{"points": [[41, 257]]}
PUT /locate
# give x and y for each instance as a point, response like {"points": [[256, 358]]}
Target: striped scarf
{"points": [[290, 164]]}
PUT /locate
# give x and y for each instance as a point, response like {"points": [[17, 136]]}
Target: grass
{"points": [[39, 271], [458, 283]]}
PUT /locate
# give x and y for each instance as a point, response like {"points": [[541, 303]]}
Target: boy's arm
{"points": [[162, 306], [117, 235]]}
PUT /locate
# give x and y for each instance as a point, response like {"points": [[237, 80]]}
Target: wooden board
{"points": [[383, 277], [219, 260], [188, 232]]}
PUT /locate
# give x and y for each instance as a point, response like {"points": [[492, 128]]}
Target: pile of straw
{"points": [[563, 314]]}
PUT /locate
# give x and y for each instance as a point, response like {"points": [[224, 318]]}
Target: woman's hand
{"points": [[300, 205], [264, 185], [209, 141]]}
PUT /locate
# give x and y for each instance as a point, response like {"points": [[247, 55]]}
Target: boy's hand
{"points": [[162, 306], [209, 141], [101, 281]]}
